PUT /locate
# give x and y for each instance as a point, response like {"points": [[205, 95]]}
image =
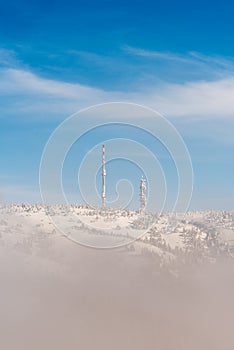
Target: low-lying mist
{"points": [[66, 296]]}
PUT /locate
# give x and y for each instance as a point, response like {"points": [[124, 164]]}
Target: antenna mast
{"points": [[142, 194], [103, 177]]}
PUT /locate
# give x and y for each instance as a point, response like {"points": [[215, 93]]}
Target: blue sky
{"points": [[174, 56]]}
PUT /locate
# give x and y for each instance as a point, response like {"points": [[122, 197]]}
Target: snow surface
{"points": [[208, 234]]}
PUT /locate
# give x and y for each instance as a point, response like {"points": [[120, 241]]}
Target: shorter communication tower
{"points": [[103, 177], [142, 194]]}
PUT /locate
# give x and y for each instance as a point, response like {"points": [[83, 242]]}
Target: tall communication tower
{"points": [[103, 177], [142, 194]]}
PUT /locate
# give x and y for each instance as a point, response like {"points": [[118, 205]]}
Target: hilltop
{"points": [[171, 238]]}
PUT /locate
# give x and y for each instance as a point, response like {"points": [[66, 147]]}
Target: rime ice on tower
{"points": [[142, 194], [103, 177]]}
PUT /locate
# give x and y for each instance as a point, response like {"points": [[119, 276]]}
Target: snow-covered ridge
{"points": [[200, 234]]}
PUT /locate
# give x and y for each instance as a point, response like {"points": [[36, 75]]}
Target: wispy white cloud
{"points": [[37, 95], [226, 63], [219, 65], [25, 82], [191, 100], [189, 57], [199, 100], [9, 58], [155, 54]]}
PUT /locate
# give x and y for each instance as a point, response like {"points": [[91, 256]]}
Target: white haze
{"points": [[58, 295]]}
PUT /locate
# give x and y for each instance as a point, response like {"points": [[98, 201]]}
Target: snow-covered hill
{"points": [[193, 236]]}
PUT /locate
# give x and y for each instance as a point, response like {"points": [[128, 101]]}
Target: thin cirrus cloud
{"points": [[194, 58], [202, 99], [34, 94], [193, 100], [25, 82], [154, 54], [196, 100]]}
